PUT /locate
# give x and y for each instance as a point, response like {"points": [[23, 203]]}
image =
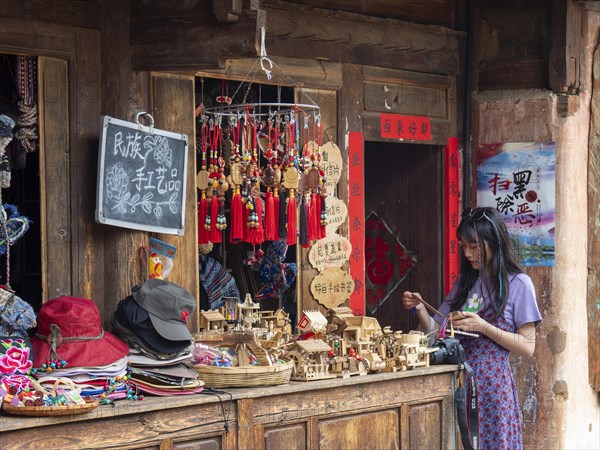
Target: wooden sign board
{"points": [[337, 213], [332, 164], [332, 251], [332, 287], [141, 177]]}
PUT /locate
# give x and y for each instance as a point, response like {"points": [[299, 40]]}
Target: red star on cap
{"points": [[184, 315]]}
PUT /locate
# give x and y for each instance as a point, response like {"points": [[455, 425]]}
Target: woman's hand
{"points": [[471, 323], [522, 343], [412, 300]]}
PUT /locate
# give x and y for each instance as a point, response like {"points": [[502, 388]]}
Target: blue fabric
{"points": [[217, 282], [16, 315], [276, 275]]}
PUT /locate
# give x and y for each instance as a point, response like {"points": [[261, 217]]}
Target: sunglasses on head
{"points": [[473, 214]]}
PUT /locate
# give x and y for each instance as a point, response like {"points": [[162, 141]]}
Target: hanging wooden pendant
{"points": [[291, 178], [271, 177], [202, 179], [313, 179], [236, 174], [227, 149]]}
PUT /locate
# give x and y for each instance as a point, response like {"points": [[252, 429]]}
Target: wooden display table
{"points": [[411, 409]]}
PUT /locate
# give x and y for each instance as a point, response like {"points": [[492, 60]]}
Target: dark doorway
{"points": [[24, 193], [403, 191]]}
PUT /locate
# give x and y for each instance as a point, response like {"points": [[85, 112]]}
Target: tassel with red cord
{"points": [[237, 219], [276, 214], [304, 223], [270, 230], [216, 236], [282, 224], [313, 218], [257, 232], [291, 218], [203, 237]]}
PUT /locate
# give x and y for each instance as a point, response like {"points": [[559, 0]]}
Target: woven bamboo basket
{"points": [[222, 377], [46, 411]]}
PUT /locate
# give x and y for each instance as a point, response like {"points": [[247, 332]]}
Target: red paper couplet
{"points": [[452, 216], [398, 126], [356, 215]]}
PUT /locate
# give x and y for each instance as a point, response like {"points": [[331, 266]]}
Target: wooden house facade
{"points": [[495, 71]]}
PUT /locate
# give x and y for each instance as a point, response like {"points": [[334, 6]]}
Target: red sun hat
{"points": [[74, 325]]}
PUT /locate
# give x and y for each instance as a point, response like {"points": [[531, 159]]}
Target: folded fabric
{"points": [[150, 388], [137, 359], [109, 370], [217, 282]]}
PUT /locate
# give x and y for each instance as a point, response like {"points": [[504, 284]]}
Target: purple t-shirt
{"points": [[521, 307]]}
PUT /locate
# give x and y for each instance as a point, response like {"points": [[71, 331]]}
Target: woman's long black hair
{"points": [[481, 225]]}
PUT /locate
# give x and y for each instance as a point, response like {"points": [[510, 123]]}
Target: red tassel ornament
{"points": [[314, 211], [270, 228], [276, 214], [237, 218], [291, 218], [257, 231]]}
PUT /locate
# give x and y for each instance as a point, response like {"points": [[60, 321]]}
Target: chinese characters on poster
{"points": [[518, 180]]}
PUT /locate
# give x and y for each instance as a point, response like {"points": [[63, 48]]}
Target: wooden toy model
{"points": [[414, 349], [247, 314], [311, 361], [212, 320], [366, 350]]}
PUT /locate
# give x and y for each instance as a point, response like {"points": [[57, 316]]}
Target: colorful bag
{"points": [[16, 315]]}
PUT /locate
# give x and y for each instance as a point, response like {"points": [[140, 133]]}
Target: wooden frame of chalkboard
{"points": [[141, 176]]}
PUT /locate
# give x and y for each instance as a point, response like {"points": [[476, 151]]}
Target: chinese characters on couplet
{"points": [[399, 126]]}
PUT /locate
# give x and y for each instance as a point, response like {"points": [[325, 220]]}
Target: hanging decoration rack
{"points": [[265, 158], [257, 110]]}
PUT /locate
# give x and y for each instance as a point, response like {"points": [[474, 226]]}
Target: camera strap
{"points": [[467, 411]]}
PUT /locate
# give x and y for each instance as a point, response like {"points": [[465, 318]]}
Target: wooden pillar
{"points": [[173, 101], [350, 115], [124, 93]]}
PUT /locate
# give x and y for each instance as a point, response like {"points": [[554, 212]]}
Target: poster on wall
{"points": [[518, 179]]}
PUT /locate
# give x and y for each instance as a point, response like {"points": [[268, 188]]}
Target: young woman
{"points": [[497, 301]]}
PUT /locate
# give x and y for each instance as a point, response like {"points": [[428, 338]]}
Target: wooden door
{"points": [[403, 187], [54, 175]]}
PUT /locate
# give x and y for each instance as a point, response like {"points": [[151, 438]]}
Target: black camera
{"points": [[448, 351]]}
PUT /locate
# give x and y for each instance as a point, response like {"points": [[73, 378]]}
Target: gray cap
{"points": [[168, 306], [6, 126]]}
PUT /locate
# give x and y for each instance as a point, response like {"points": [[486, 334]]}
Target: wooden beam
{"points": [[227, 10], [565, 47], [593, 286], [321, 34], [513, 75], [434, 12], [176, 36], [287, 72]]}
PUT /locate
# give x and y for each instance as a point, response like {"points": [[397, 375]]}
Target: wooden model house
{"points": [[311, 360]]}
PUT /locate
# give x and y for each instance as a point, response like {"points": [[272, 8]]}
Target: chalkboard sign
{"points": [[141, 176]]}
